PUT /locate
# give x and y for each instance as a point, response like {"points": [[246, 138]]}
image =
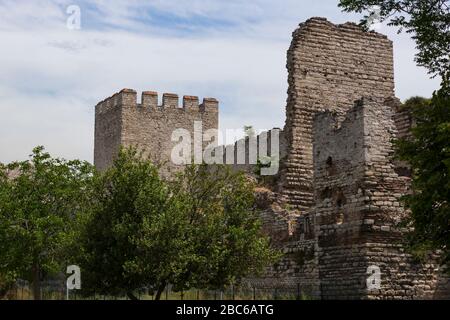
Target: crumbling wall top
{"points": [[319, 22]]}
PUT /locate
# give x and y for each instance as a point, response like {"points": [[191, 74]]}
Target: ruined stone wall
{"points": [[296, 272], [330, 66], [121, 120], [249, 153], [358, 209], [336, 205], [338, 177], [403, 121], [402, 275], [294, 235]]}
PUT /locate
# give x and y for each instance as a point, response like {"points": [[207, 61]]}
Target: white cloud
{"points": [[31, 15], [51, 77], [49, 92]]}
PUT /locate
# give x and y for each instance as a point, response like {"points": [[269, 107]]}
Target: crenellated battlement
{"points": [[123, 120], [149, 99], [124, 96]]}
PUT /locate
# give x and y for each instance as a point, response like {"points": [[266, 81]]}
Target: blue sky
{"points": [[52, 77]]}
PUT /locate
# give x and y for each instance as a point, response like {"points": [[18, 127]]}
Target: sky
{"points": [[52, 74]]}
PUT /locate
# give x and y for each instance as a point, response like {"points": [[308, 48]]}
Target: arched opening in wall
{"points": [[340, 199], [325, 193], [340, 203], [301, 228], [308, 227], [330, 166]]}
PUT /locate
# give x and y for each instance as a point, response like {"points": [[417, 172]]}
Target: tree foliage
{"points": [[428, 153], [39, 199], [225, 229], [7, 277], [427, 20], [199, 230], [107, 238]]}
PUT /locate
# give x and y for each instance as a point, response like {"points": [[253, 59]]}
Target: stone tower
{"points": [[358, 209], [330, 66], [340, 233], [121, 121]]}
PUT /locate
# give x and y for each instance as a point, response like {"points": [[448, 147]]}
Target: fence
{"points": [[57, 291]]}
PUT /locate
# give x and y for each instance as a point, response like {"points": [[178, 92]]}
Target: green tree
{"points": [[428, 153], [7, 277], [199, 230], [427, 20], [37, 206], [109, 239], [224, 226]]}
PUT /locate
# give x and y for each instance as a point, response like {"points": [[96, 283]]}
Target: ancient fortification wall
{"points": [[340, 174], [121, 120], [358, 209], [334, 207], [330, 66], [294, 234]]}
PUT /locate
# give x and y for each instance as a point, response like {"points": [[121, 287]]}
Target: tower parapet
{"points": [[121, 120]]}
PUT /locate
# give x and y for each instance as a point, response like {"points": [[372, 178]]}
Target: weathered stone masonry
{"points": [[340, 174], [334, 207], [358, 208], [121, 120], [330, 66]]}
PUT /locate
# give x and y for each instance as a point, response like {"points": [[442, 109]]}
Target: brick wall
{"points": [[330, 66], [358, 209]]}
